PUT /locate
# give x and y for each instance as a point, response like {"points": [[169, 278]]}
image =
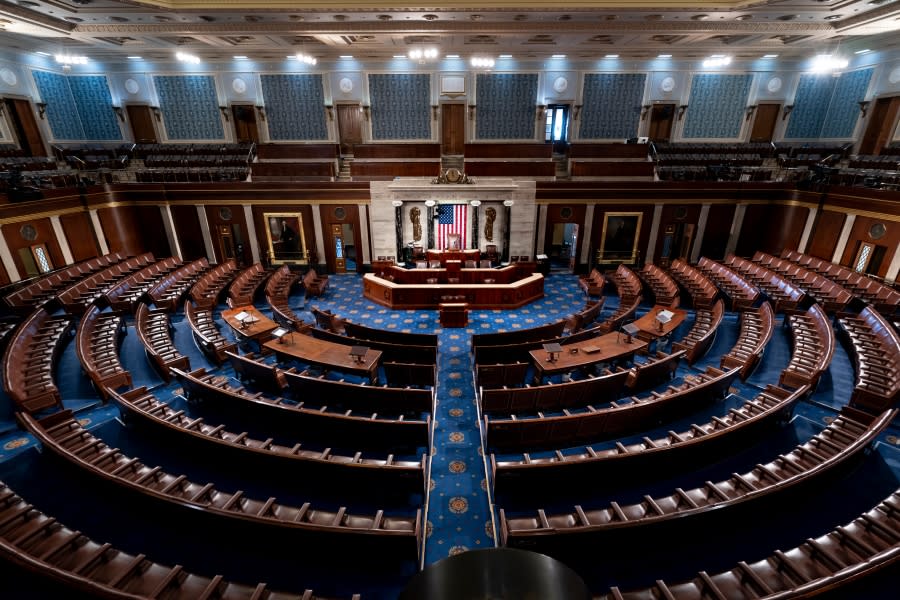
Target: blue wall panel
{"points": [[506, 106], [94, 105], [400, 106], [190, 107], [826, 106], [717, 106], [850, 89], [810, 106], [612, 105], [61, 112], [295, 107]]}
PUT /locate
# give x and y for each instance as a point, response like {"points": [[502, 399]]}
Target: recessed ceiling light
{"points": [[699, 17], [833, 17], [664, 56], [505, 56], [612, 56], [135, 58], [862, 51], [42, 53], [558, 56], [345, 56], [399, 56], [770, 56], [240, 57], [743, 17], [452, 56]]}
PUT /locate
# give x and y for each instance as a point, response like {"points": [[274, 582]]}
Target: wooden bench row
{"points": [[628, 306], [341, 428], [532, 335], [411, 354], [664, 288], [154, 331], [585, 316], [819, 565], [358, 472], [812, 338], [703, 292], [593, 283], [829, 294], [45, 288], [618, 418], [97, 346], [206, 291], [885, 299], [77, 297], [361, 332], [743, 295], [757, 326], [168, 291], [243, 287], [647, 458], [125, 294], [702, 333], [278, 291], [568, 533], [875, 350], [29, 359], [206, 332], [627, 282], [552, 397], [40, 544], [784, 294], [62, 435]]}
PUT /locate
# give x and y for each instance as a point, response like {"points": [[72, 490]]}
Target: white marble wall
{"points": [[491, 192]]}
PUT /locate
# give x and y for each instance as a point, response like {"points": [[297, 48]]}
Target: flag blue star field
{"points": [[451, 226]]}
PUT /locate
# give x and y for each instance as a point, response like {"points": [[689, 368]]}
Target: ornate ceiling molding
{"points": [[33, 17]]}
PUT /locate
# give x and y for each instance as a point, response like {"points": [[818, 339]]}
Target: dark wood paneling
{"points": [[322, 171], [141, 120], [860, 233], [351, 215], [232, 217], [349, 118], [577, 150], [594, 168], [718, 230], [453, 128], [45, 235], [153, 238], [396, 168], [122, 229], [674, 215], [764, 123], [565, 213], [80, 236], [187, 224], [22, 115], [509, 150], [771, 228], [509, 168], [283, 151], [394, 150], [824, 236]]}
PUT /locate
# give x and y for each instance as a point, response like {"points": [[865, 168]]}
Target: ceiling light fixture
{"points": [[482, 62], [240, 57], [716, 60], [612, 56], [307, 58], [69, 59], [42, 53], [422, 55], [824, 63], [505, 56], [452, 56], [865, 51], [135, 58], [558, 56], [664, 56], [770, 56], [187, 58]]}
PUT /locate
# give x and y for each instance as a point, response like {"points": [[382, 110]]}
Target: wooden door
{"points": [[349, 126], [881, 125], [338, 247], [142, 127], [453, 128], [245, 128], [764, 123], [26, 127], [661, 118]]}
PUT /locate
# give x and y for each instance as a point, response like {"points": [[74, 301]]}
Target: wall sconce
{"points": [[365, 111], [434, 112], [576, 112], [261, 110], [681, 110], [329, 110], [750, 110], [863, 107], [224, 110], [119, 113], [644, 110], [42, 109], [156, 113], [787, 110], [540, 111], [471, 112]]}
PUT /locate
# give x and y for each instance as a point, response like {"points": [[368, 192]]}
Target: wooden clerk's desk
{"points": [[460, 255], [256, 327], [325, 354], [603, 348], [650, 328], [429, 295]]}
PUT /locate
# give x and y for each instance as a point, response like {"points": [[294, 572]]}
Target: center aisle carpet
{"points": [[459, 514]]}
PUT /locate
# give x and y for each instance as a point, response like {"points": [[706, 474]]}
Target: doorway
{"points": [[25, 127], [556, 130], [245, 127], [764, 123], [230, 243], [677, 241], [349, 126], [453, 128], [563, 247], [661, 118], [881, 127], [339, 244], [141, 119]]}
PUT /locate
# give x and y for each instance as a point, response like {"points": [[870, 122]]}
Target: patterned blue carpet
{"points": [[459, 511]]}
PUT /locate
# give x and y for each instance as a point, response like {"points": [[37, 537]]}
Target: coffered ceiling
{"points": [[218, 30]]}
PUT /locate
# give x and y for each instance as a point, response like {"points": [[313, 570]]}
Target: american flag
{"points": [[452, 218]]}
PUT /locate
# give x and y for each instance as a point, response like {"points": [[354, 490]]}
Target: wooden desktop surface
{"points": [[258, 329], [325, 353], [649, 326], [608, 347], [429, 295]]}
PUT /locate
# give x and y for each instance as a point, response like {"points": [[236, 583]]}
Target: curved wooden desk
{"points": [[326, 354], [430, 295]]}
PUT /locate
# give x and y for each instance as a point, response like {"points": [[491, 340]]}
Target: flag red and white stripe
{"points": [[452, 218]]}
